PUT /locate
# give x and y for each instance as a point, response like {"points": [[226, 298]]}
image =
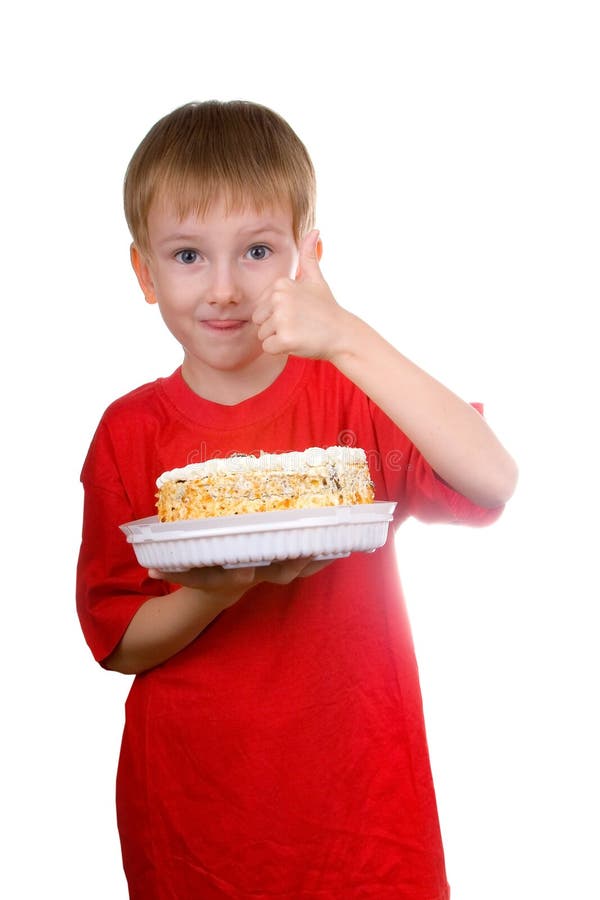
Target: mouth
{"points": [[223, 324]]}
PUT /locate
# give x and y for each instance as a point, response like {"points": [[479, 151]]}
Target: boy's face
{"points": [[207, 276]]}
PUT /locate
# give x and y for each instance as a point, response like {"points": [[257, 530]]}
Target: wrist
{"points": [[351, 337]]}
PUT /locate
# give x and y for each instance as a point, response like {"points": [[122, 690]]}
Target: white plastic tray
{"points": [[259, 538]]}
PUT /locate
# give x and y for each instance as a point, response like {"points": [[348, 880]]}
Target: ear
{"points": [[142, 271]]}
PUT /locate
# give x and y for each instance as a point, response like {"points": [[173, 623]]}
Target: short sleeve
{"points": [[111, 585], [418, 491]]}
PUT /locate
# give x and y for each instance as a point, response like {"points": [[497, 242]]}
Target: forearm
{"points": [[163, 626], [452, 436]]}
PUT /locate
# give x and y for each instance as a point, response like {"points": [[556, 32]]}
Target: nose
{"points": [[223, 287]]}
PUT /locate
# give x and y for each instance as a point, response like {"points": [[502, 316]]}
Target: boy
{"points": [[274, 743]]}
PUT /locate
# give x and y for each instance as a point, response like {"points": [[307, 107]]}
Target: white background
{"points": [[457, 147]]}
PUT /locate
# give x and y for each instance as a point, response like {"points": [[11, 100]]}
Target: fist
{"points": [[301, 315]]}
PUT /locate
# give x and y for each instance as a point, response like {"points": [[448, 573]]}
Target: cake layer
{"points": [[244, 484]]}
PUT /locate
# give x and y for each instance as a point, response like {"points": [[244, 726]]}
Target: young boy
{"points": [[274, 743]]}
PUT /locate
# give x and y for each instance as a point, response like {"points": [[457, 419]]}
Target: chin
{"points": [[224, 362]]}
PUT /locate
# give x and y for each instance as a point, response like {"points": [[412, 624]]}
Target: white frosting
{"points": [[292, 463]]}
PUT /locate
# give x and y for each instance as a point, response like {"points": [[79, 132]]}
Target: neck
{"points": [[232, 387]]}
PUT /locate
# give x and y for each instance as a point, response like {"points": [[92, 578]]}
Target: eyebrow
{"points": [[264, 228], [178, 238]]}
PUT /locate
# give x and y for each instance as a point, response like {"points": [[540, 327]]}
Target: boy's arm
{"points": [[164, 625], [303, 318], [452, 436]]}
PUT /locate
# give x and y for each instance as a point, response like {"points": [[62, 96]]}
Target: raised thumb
{"points": [[309, 255]]}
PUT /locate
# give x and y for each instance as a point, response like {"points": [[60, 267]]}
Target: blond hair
{"points": [[237, 149]]}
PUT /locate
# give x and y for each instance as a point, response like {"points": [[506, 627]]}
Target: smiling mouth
{"points": [[223, 324]]}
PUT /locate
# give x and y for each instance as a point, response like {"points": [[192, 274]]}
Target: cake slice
{"points": [[245, 484]]}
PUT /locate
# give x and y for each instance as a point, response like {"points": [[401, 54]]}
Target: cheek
{"points": [[177, 293], [285, 268]]}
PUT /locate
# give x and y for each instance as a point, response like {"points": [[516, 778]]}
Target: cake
{"points": [[271, 481]]}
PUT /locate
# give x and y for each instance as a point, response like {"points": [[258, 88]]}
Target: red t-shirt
{"points": [[283, 753]]}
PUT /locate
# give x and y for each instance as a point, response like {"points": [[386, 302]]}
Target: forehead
{"points": [[166, 217]]}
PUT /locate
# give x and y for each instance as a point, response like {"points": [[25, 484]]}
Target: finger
{"points": [[309, 255], [210, 578], [171, 576], [243, 577], [267, 329], [274, 345], [269, 299], [261, 313], [314, 566], [217, 578], [285, 571]]}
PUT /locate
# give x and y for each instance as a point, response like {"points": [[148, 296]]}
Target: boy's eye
{"points": [[260, 251], [186, 256]]}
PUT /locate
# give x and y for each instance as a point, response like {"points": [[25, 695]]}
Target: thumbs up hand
{"points": [[301, 316]]}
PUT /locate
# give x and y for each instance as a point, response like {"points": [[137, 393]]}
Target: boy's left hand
{"points": [[301, 316]]}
